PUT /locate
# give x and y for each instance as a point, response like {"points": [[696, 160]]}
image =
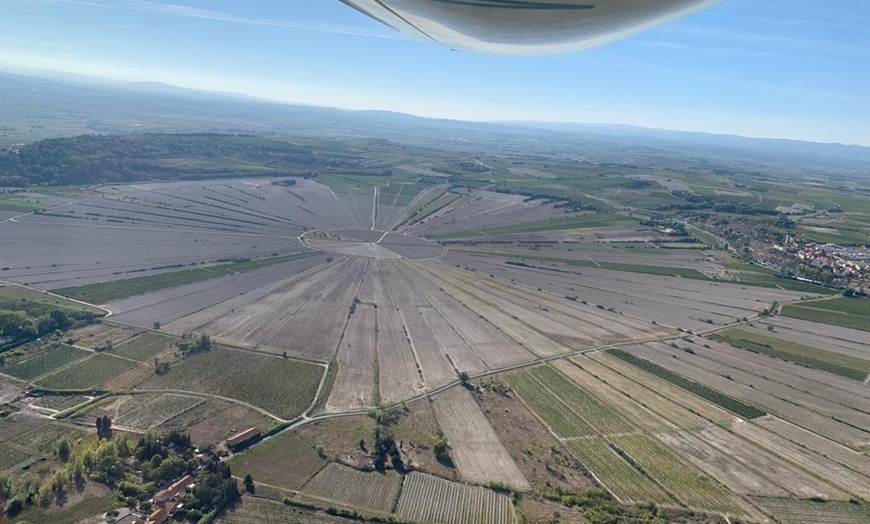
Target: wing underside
{"points": [[524, 26]]}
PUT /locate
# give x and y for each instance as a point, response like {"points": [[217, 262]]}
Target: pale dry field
{"points": [[475, 448]]}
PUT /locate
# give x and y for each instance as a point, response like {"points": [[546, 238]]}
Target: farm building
{"points": [[243, 437]]}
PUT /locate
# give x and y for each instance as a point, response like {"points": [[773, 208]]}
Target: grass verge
{"points": [[102, 292]]}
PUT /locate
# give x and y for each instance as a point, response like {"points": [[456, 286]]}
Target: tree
{"points": [[463, 378], [156, 325], [192, 344], [442, 455], [104, 427], [249, 483], [63, 450], [160, 368], [440, 448]]}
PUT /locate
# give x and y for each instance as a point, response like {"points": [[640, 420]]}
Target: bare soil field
{"points": [[431, 350], [98, 335], [340, 438], [779, 403], [791, 511], [411, 246], [87, 240], [475, 448], [854, 341], [669, 401], [668, 301], [18, 423], [858, 462], [743, 467], [356, 249], [170, 304], [213, 421], [356, 361], [396, 315], [542, 459], [398, 370], [488, 343], [818, 391], [848, 480]]}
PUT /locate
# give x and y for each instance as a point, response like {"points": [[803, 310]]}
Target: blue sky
{"points": [[770, 68]]}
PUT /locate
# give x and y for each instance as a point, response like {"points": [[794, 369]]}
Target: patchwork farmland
{"points": [[398, 314]]}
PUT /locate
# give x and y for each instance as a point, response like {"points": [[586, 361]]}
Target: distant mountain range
{"points": [[851, 152], [35, 107]]}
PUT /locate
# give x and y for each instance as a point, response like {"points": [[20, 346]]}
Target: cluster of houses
{"points": [[842, 261], [166, 501]]}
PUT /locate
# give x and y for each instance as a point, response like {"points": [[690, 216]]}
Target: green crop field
{"points": [[353, 488], [54, 357], [720, 399], [635, 466], [144, 346], [87, 374], [285, 460], [44, 439], [601, 417], [844, 312], [431, 499], [839, 364], [102, 292], [157, 411], [686, 482], [10, 455], [847, 305], [561, 420], [255, 510], [282, 387], [59, 402], [624, 480], [18, 293], [20, 206]]}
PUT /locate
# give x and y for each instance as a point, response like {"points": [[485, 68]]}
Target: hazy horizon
{"points": [[779, 69]]}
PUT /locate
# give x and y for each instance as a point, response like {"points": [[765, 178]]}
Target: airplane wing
{"points": [[524, 26]]}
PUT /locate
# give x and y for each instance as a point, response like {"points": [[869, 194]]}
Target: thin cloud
{"points": [[729, 50], [801, 45], [207, 14], [819, 24]]}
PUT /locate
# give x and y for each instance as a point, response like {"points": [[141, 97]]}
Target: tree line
{"points": [[28, 320], [93, 159]]}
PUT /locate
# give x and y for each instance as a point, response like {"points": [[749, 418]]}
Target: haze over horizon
{"points": [[777, 70]]}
